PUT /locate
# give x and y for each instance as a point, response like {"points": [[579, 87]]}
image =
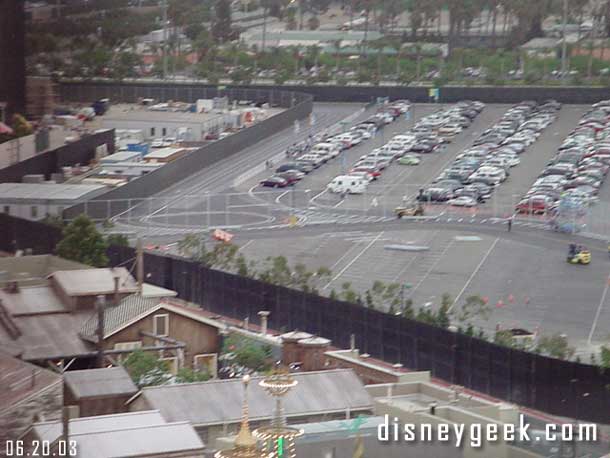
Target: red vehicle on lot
{"points": [[371, 170], [538, 204]]}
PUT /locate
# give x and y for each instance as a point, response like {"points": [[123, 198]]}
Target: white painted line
{"points": [[277, 199], [460, 220], [339, 203], [476, 271], [245, 245], [599, 310], [317, 195], [342, 271]]}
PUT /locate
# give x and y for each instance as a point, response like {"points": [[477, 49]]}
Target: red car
{"points": [[371, 170], [535, 205], [275, 182]]}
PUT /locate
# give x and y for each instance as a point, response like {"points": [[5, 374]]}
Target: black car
{"points": [[301, 167], [422, 147], [435, 195]]}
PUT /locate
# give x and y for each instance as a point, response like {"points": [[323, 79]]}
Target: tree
{"points": [[187, 375], [189, 246], [83, 243], [347, 294], [555, 346], [21, 127], [605, 357], [313, 23], [117, 239], [247, 353], [221, 29], [384, 296], [442, 315], [146, 369], [504, 338], [474, 306]]}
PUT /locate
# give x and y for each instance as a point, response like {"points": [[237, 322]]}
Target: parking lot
{"points": [[523, 274], [524, 277]]}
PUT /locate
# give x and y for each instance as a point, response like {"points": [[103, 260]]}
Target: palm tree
{"points": [[337, 45]]}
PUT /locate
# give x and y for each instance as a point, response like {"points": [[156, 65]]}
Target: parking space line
{"points": [[599, 311], [474, 273], [342, 271]]}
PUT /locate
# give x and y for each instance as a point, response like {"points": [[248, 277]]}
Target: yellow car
{"points": [[581, 257]]}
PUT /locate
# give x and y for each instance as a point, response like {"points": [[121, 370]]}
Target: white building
{"points": [[34, 201], [129, 169]]}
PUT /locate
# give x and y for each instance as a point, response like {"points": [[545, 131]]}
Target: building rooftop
{"points": [[162, 153], [142, 441], [32, 300], [90, 282], [34, 270], [47, 336], [48, 191], [51, 430], [219, 402], [132, 309], [541, 43], [20, 380], [144, 114], [121, 156], [135, 434], [129, 310], [96, 383]]}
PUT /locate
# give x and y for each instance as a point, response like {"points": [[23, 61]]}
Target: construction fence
{"points": [[563, 388]]}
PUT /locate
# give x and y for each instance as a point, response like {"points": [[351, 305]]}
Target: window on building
{"points": [[127, 346], [152, 131], [164, 131], [172, 364], [161, 325], [34, 211], [206, 362], [7, 209]]}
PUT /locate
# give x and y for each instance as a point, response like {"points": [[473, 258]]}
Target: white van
{"points": [[349, 184]]}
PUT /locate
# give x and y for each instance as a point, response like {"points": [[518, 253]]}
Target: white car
{"points": [[463, 201], [511, 159], [362, 131]]}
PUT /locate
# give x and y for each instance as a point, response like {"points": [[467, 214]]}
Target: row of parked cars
{"points": [[429, 135], [331, 147], [579, 167], [478, 170]]}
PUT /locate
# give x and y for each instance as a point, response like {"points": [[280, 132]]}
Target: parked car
{"points": [[463, 201], [409, 159], [275, 182], [349, 184]]}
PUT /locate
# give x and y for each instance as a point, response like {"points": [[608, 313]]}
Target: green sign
{"points": [[280, 447]]}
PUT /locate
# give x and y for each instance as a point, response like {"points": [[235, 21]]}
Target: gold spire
{"points": [[245, 441]]}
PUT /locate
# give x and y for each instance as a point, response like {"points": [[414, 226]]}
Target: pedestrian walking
{"points": [[510, 223]]}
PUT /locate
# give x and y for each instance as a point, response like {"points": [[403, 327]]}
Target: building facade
{"points": [[12, 58]]}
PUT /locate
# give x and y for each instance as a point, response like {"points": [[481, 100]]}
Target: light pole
{"points": [[165, 38], [564, 44]]}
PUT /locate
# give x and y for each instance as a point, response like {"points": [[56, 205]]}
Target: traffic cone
{"points": [[511, 298]]}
